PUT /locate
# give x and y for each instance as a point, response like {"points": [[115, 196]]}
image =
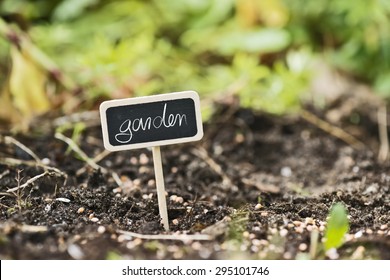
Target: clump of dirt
{"points": [[256, 186]]}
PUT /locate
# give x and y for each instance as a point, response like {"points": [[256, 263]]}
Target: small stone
{"points": [[332, 254], [175, 222], [283, 232], [290, 225], [258, 206], [133, 160], [383, 227], [196, 246], [75, 252], [287, 256], [101, 229], [45, 161], [94, 220], [47, 207], [358, 234], [137, 182], [286, 171], [309, 221], [151, 183], [80, 210], [264, 214], [321, 228], [91, 216], [173, 197], [252, 236], [62, 199], [302, 247], [143, 159], [144, 170], [117, 190], [245, 234], [355, 169], [174, 169], [299, 230], [359, 253], [381, 232], [369, 231], [179, 199], [297, 223], [309, 228]]}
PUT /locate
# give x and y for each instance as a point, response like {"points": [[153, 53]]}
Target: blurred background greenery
{"points": [[71, 54]]}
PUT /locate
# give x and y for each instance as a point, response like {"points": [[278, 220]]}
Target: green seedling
{"points": [[338, 226]]}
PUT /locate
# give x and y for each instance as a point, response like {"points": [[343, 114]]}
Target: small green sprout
{"points": [[338, 226]]}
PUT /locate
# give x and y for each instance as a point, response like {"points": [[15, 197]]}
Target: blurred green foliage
{"points": [[259, 50]]}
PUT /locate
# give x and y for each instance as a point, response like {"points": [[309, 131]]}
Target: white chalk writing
{"points": [[129, 127]]}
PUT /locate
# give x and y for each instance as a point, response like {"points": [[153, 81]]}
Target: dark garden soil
{"points": [[256, 186]]}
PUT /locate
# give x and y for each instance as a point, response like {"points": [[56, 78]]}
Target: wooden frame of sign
{"points": [[152, 121]]}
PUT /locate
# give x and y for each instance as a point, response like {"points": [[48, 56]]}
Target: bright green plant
{"points": [[337, 227]]}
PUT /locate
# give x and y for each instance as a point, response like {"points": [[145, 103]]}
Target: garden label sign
{"points": [[152, 121]]}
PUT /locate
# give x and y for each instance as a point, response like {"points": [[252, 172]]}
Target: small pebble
{"points": [[309, 221], [383, 227], [286, 171], [381, 232], [95, 220], [91, 216], [101, 229], [332, 254], [175, 222], [179, 199], [75, 252], [290, 225], [309, 228], [143, 159], [287, 256], [80, 210], [258, 206], [62, 199], [174, 169], [369, 231], [302, 247], [137, 182], [45, 161], [321, 228], [299, 230], [283, 232], [47, 208], [264, 214], [245, 234], [173, 197], [196, 246], [133, 160], [151, 183], [297, 223], [358, 234]]}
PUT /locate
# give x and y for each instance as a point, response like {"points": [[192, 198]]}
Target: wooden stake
{"points": [[158, 171]]}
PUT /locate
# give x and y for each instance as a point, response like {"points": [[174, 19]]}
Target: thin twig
{"points": [[11, 140], [181, 237], [77, 149], [383, 154], [86, 158], [5, 173], [333, 130], [30, 181], [96, 159], [203, 154], [15, 161]]}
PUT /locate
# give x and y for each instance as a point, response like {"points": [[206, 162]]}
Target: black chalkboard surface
{"points": [[151, 121]]}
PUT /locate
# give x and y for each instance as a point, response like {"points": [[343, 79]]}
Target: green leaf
{"points": [[338, 226], [261, 41]]}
